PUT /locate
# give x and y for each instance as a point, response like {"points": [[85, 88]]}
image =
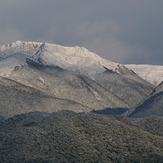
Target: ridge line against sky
{"points": [[128, 31]]}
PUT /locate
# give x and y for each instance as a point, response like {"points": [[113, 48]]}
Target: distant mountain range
{"points": [[150, 73]]}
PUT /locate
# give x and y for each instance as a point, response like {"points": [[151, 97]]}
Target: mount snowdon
{"points": [[73, 73]]}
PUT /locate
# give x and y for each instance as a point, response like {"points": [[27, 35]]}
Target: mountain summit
{"points": [[60, 71], [77, 59]]}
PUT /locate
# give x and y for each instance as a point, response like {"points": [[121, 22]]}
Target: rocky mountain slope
{"points": [[22, 62], [127, 85], [16, 98], [151, 106], [158, 89], [68, 85], [70, 137]]}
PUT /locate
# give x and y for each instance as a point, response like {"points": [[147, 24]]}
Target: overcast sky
{"points": [[124, 31]]}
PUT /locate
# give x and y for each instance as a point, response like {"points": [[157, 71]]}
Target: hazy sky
{"points": [[124, 31]]}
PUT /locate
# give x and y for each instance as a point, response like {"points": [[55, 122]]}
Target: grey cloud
{"points": [[123, 31]]}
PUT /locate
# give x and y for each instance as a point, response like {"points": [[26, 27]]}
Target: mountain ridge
{"points": [[19, 56], [71, 58]]}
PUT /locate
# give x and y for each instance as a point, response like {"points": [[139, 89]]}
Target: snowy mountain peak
{"points": [[76, 58]]}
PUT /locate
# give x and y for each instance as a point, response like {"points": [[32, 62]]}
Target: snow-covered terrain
{"points": [[151, 73], [39, 65], [77, 59]]}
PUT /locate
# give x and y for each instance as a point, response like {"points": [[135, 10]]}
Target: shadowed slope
{"points": [[151, 106], [158, 89]]}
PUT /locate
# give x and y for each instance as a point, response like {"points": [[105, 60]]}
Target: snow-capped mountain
{"points": [[77, 59], [38, 65], [68, 85], [150, 73]]}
